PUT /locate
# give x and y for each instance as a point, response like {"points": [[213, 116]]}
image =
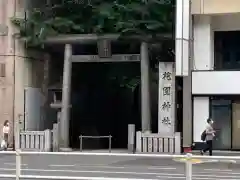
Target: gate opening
{"points": [[102, 105]]}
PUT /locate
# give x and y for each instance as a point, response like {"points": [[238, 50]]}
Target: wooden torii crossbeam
{"points": [[91, 38]]}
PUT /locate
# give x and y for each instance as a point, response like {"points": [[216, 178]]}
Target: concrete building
{"points": [[20, 71], [211, 87]]}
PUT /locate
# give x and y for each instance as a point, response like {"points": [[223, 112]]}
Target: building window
{"points": [[220, 111], [2, 70], [227, 50]]}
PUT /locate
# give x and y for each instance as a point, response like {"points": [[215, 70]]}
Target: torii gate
{"points": [[69, 58]]}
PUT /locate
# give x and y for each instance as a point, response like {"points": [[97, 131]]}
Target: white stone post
{"points": [[55, 137], [145, 89], [138, 141], [66, 97], [48, 140], [17, 135], [177, 137], [131, 137]]}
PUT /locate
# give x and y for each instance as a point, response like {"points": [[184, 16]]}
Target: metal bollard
{"points": [[188, 167], [18, 164], [110, 143], [81, 143]]}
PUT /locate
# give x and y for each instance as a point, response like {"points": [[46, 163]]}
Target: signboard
{"points": [[166, 98]]}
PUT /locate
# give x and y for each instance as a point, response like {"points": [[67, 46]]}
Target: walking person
{"points": [[210, 134], [6, 130]]}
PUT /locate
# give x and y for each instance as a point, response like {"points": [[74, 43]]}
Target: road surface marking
{"points": [[229, 175], [171, 177], [92, 164], [14, 164], [162, 175], [107, 167], [87, 171], [81, 178], [61, 165], [196, 178], [130, 167], [7, 176], [226, 170], [162, 168]]}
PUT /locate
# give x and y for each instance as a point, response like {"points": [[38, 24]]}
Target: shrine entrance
{"points": [[100, 104], [104, 56]]}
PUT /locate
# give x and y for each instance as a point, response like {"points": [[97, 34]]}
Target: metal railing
{"points": [[96, 137], [188, 158]]}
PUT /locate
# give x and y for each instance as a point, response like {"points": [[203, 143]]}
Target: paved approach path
{"points": [[116, 168]]}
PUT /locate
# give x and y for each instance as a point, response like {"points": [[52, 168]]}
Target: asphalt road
{"points": [[116, 168]]}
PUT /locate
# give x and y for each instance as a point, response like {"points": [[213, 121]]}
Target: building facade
{"points": [[214, 70], [19, 70]]}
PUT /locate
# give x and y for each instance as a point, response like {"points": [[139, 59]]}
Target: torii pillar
{"points": [[145, 89], [66, 98]]}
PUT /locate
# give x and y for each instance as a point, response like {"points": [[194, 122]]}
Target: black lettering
{"points": [[166, 91], [166, 121], [166, 106], [167, 76]]}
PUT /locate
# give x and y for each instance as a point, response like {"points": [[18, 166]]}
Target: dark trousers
{"points": [[209, 147], [5, 136]]}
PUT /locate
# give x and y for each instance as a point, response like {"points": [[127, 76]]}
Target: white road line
{"points": [[79, 178], [221, 170], [82, 164], [61, 165], [110, 167], [13, 164], [161, 168], [88, 171], [107, 167], [217, 172], [171, 177], [131, 167], [158, 174], [196, 178]]}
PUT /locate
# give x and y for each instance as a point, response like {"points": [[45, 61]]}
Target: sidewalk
{"points": [[102, 150], [219, 153]]}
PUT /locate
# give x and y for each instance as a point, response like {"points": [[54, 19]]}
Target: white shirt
{"points": [[210, 132], [6, 129]]}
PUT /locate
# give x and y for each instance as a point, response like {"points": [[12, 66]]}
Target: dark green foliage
{"points": [[128, 17], [125, 17]]}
